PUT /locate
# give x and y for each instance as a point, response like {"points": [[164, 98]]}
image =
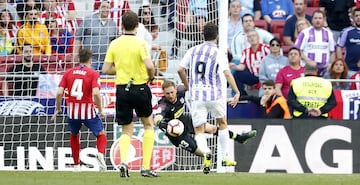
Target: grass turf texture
{"points": [[173, 178]]}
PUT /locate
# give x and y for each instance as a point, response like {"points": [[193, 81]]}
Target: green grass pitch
{"points": [[172, 178]]}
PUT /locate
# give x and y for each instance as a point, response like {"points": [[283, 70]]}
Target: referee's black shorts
{"points": [[138, 98]]}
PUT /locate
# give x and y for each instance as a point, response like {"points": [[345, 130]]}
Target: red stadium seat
{"points": [[277, 35], [277, 26], [6, 62], [53, 63], [286, 49], [310, 10], [314, 3], [261, 24], [57, 62], [10, 58]]}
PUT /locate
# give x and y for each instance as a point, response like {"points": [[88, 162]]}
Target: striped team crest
{"points": [[354, 108], [348, 105], [351, 104]]}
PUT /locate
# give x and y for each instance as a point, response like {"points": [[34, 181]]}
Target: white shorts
{"points": [[200, 110]]}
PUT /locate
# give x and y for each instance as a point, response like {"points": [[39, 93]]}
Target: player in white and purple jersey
{"points": [[317, 43], [206, 64]]}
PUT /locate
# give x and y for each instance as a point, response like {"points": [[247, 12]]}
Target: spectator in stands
{"points": [[4, 5], [23, 85], [311, 96], [51, 12], [234, 21], [161, 61], [349, 40], [317, 43], [66, 9], [154, 30], [300, 24], [276, 10], [34, 33], [247, 72], [337, 15], [272, 63], [117, 9], [338, 70], [252, 7], [6, 46], [9, 25], [288, 73], [165, 5], [290, 24], [196, 18], [61, 39], [96, 32], [273, 105], [146, 16], [154, 34], [240, 41], [146, 20], [21, 8]]}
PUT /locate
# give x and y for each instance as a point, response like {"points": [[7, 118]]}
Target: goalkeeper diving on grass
{"points": [[172, 106]]}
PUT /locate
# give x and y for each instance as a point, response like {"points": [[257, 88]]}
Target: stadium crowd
{"points": [[259, 32]]}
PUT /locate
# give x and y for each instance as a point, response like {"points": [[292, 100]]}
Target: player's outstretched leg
{"points": [[124, 170], [148, 173], [244, 138], [207, 163], [101, 161]]}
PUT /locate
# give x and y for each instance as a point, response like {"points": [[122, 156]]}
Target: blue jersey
{"points": [[350, 39], [277, 9]]}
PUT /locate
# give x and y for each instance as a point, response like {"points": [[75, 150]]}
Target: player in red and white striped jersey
{"points": [[83, 84]]}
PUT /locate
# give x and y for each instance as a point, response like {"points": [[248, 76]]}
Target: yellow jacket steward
{"points": [[311, 92]]}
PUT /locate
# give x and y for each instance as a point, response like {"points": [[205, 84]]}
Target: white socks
{"points": [[223, 138], [202, 143]]}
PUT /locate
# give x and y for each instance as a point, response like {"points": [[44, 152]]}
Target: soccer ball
{"points": [[175, 127]]}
